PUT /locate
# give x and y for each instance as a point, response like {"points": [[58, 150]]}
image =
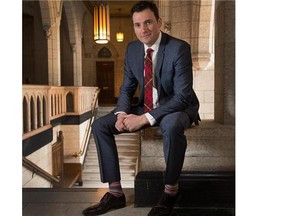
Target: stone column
{"points": [[181, 20], [28, 116], [40, 113], [53, 40], [77, 62], [164, 13], [225, 62], [202, 22]]}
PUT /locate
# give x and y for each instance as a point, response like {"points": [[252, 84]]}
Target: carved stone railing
{"points": [[41, 104]]}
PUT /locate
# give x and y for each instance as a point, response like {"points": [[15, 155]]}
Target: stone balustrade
{"points": [[41, 104]]}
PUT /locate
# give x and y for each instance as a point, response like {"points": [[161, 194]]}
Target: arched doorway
{"points": [[105, 78]]}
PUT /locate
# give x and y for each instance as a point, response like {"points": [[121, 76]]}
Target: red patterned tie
{"points": [[148, 98]]}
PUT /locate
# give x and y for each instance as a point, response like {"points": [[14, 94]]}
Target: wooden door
{"points": [[105, 81]]}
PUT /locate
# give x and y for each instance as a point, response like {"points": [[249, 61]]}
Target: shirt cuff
{"points": [[150, 118], [116, 113]]}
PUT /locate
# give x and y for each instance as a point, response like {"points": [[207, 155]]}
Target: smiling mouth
{"points": [[146, 36]]}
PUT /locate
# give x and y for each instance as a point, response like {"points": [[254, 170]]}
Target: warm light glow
{"points": [[101, 24], [120, 36]]}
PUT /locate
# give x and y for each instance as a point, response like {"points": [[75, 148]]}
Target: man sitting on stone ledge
{"points": [[162, 67]]}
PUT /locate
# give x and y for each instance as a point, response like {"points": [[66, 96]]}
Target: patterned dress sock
{"points": [[115, 189], [172, 190]]}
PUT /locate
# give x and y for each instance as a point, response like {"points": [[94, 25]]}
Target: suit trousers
{"points": [[174, 144]]}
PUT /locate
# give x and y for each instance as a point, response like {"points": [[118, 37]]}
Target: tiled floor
{"points": [[72, 202]]}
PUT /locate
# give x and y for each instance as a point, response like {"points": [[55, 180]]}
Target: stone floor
{"points": [[71, 202]]}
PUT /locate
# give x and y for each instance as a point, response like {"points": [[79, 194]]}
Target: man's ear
{"points": [[159, 22]]}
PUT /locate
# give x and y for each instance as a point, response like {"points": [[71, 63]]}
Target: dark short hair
{"points": [[142, 5]]}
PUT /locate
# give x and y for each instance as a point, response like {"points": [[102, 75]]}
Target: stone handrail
{"points": [[41, 104]]}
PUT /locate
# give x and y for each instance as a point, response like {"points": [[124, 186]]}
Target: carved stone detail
{"points": [[48, 31], [167, 27]]}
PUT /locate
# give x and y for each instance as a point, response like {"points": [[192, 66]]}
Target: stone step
{"points": [[127, 148], [122, 145], [121, 137], [90, 167], [122, 159], [124, 175], [129, 143], [130, 154], [122, 141], [96, 175], [94, 157], [129, 135], [94, 160]]}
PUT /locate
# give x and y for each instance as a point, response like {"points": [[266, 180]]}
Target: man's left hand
{"points": [[134, 122]]}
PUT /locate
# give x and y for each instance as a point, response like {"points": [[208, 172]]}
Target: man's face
{"points": [[146, 27]]}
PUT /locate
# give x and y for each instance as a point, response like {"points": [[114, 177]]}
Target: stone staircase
{"points": [[128, 145]]}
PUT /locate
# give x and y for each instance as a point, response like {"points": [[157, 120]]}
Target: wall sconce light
{"points": [[120, 34], [101, 23]]}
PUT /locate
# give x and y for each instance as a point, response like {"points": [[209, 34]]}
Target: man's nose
{"points": [[143, 28]]}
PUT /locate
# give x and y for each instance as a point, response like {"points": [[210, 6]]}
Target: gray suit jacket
{"points": [[173, 78]]}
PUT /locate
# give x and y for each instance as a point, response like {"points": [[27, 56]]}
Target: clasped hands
{"points": [[130, 122]]}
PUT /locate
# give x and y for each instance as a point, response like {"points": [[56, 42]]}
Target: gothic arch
{"points": [[69, 7], [104, 53], [70, 102], [110, 47], [202, 28], [25, 110], [33, 110], [50, 11], [75, 25]]}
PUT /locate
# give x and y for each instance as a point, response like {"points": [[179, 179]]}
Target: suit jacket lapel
{"points": [[140, 62], [160, 57]]}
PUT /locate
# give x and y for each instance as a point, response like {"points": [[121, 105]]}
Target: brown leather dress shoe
{"points": [[165, 205], [107, 203]]}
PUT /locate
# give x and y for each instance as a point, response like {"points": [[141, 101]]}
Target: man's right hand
{"points": [[119, 123]]}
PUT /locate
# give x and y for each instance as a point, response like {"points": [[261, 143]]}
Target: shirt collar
{"points": [[155, 46]]}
